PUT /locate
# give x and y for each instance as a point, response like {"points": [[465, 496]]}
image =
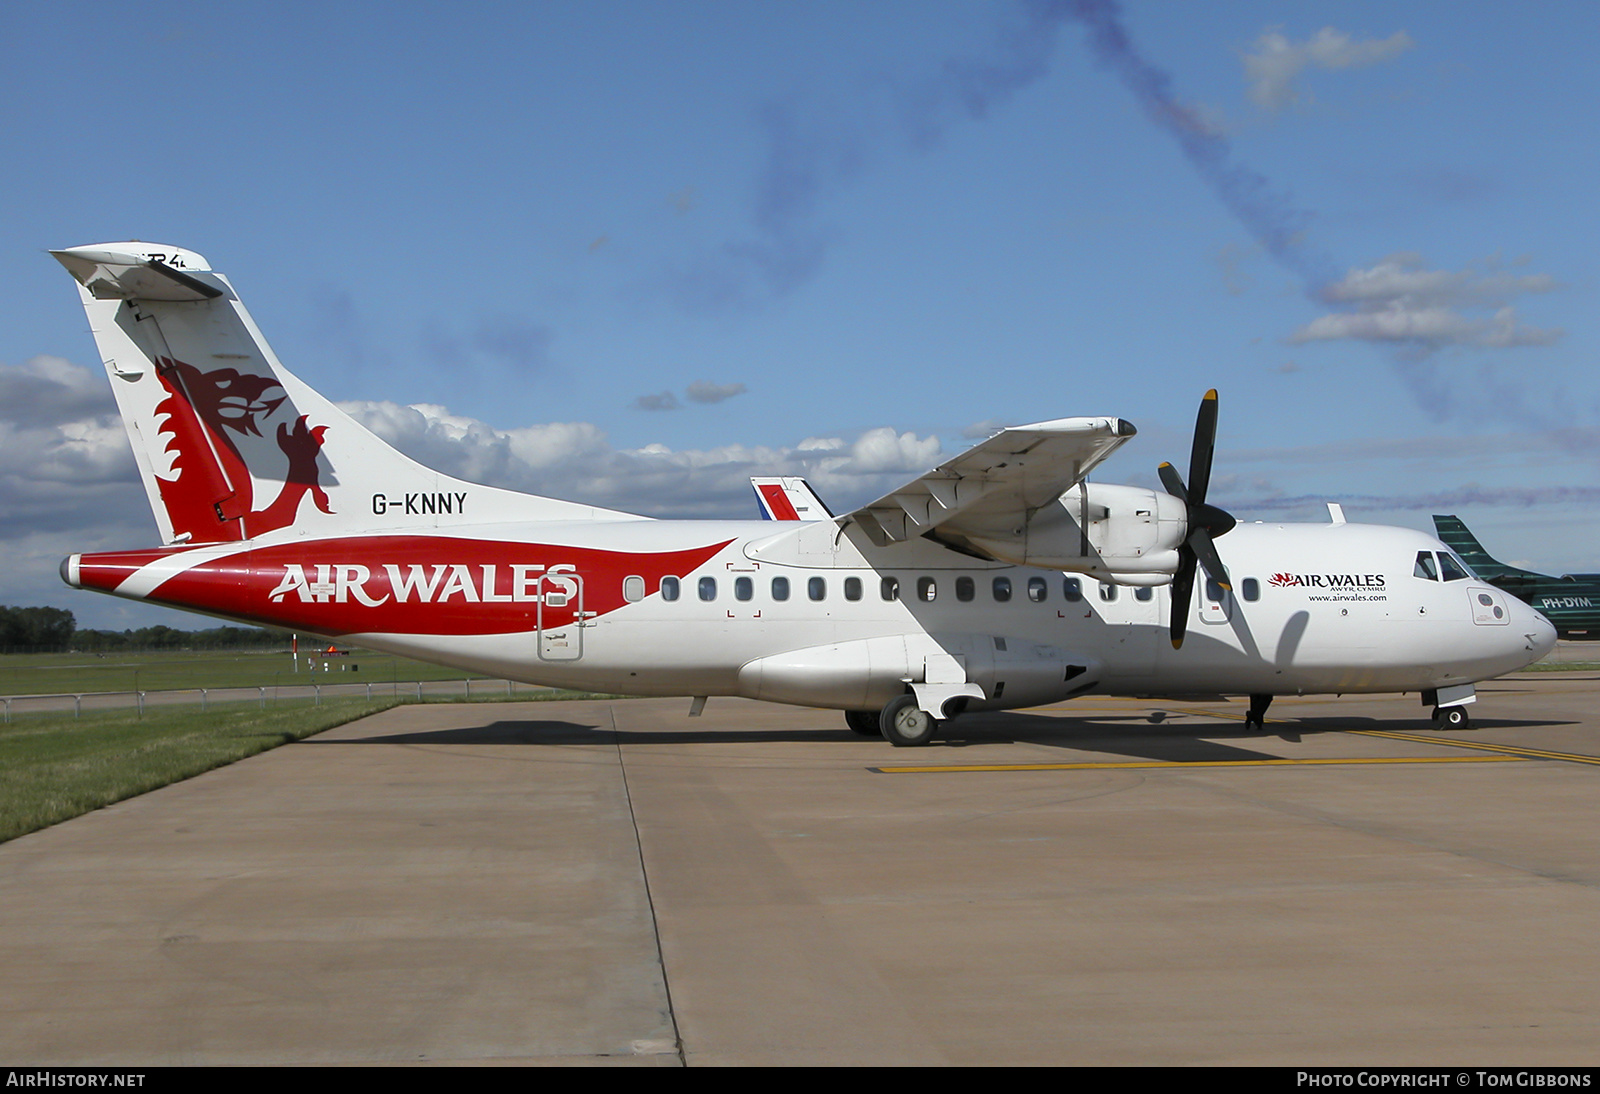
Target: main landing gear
{"points": [[1451, 718], [864, 722], [1257, 718], [905, 724], [902, 723]]}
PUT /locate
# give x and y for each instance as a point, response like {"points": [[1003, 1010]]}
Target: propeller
{"points": [[1205, 522]]}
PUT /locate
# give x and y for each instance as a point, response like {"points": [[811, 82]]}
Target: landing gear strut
{"points": [[904, 724], [1257, 718]]}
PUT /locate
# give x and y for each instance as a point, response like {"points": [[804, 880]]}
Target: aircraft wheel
{"points": [[1452, 718], [906, 725], [864, 722]]}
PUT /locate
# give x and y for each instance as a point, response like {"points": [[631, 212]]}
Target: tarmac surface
{"points": [[614, 883]]}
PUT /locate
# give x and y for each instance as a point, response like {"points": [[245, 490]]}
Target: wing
{"points": [[995, 487]]}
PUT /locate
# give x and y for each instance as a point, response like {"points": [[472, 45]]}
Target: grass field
{"points": [[53, 768], [74, 673]]}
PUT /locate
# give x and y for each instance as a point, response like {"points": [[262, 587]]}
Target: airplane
{"points": [[1000, 579], [1571, 602]]}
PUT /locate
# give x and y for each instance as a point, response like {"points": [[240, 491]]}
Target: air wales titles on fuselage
{"points": [[1350, 586], [341, 582]]}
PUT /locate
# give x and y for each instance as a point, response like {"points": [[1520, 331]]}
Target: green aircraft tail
{"points": [[1460, 539]]}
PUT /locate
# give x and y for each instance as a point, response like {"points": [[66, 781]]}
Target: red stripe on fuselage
{"points": [[402, 584]]}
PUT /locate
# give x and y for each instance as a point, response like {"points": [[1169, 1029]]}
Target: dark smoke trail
{"points": [[1268, 216]]}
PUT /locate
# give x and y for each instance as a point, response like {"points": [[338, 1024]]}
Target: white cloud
{"points": [[575, 460], [1400, 301], [1277, 62]]}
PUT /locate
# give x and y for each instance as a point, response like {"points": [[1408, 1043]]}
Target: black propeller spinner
{"points": [[1206, 522]]}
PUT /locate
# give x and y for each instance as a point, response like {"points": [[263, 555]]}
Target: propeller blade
{"points": [[1206, 552], [1182, 587], [1172, 482], [1205, 442], [1204, 522]]}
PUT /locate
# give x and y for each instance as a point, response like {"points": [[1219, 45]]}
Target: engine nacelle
{"points": [[1122, 534], [865, 674]]}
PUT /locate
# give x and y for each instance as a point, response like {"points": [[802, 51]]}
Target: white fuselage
{"points": [[1314, 608]]}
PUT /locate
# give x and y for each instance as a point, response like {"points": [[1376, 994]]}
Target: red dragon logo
{"points": [[210, 495], [1282, 580]]}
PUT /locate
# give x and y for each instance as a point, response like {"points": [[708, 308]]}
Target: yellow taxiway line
{"points": [[1483, 746]]}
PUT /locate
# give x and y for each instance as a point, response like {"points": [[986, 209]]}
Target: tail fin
{"points": [[230, 444], [788, 498], [1456, 536]]}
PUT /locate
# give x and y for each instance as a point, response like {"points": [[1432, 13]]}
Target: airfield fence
{"points": [[467, 690]]}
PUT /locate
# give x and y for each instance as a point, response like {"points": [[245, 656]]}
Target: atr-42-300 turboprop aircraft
{"points": [[1000, 579]]}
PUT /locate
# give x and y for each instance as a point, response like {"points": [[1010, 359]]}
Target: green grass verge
{"points": [[77, 673], [53, 767], [56, 767]]}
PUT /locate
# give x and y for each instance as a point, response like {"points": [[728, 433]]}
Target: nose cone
{"points": [[1541, 635]]}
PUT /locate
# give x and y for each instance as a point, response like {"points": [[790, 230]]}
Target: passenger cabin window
{"points": [[927, 588], [1002, 589], [817, 588], [669, 588], [780, 588], [1108, 593], [1425, 568], [1072, 589], [708, 588], [1037, 590], [633, 588], [889, 588], [852, 588], [1214, 590], [1452, 567], [743, 588], [966, 589], [1251, 588], [1143, 592]]}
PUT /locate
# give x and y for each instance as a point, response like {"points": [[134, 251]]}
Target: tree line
{"points": [[53, 630]]}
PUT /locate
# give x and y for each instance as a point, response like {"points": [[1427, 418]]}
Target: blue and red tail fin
{"points": [[786, 497]]}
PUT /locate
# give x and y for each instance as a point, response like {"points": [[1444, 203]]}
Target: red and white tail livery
{"points": [[999, 579], [786, 497]]}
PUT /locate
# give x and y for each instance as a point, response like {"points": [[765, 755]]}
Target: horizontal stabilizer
{"points": [[170, 273]]}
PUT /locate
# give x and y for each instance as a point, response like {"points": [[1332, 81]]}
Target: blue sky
{"points": [[707, 240]]}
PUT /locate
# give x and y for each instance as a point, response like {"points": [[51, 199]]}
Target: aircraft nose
{"points": [[1541, 635]]}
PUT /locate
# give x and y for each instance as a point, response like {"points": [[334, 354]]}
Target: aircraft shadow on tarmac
{"points": [[1157, 735]]}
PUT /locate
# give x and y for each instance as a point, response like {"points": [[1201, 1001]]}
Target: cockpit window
{"points": [[1425, 567], [1454, 569]]}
